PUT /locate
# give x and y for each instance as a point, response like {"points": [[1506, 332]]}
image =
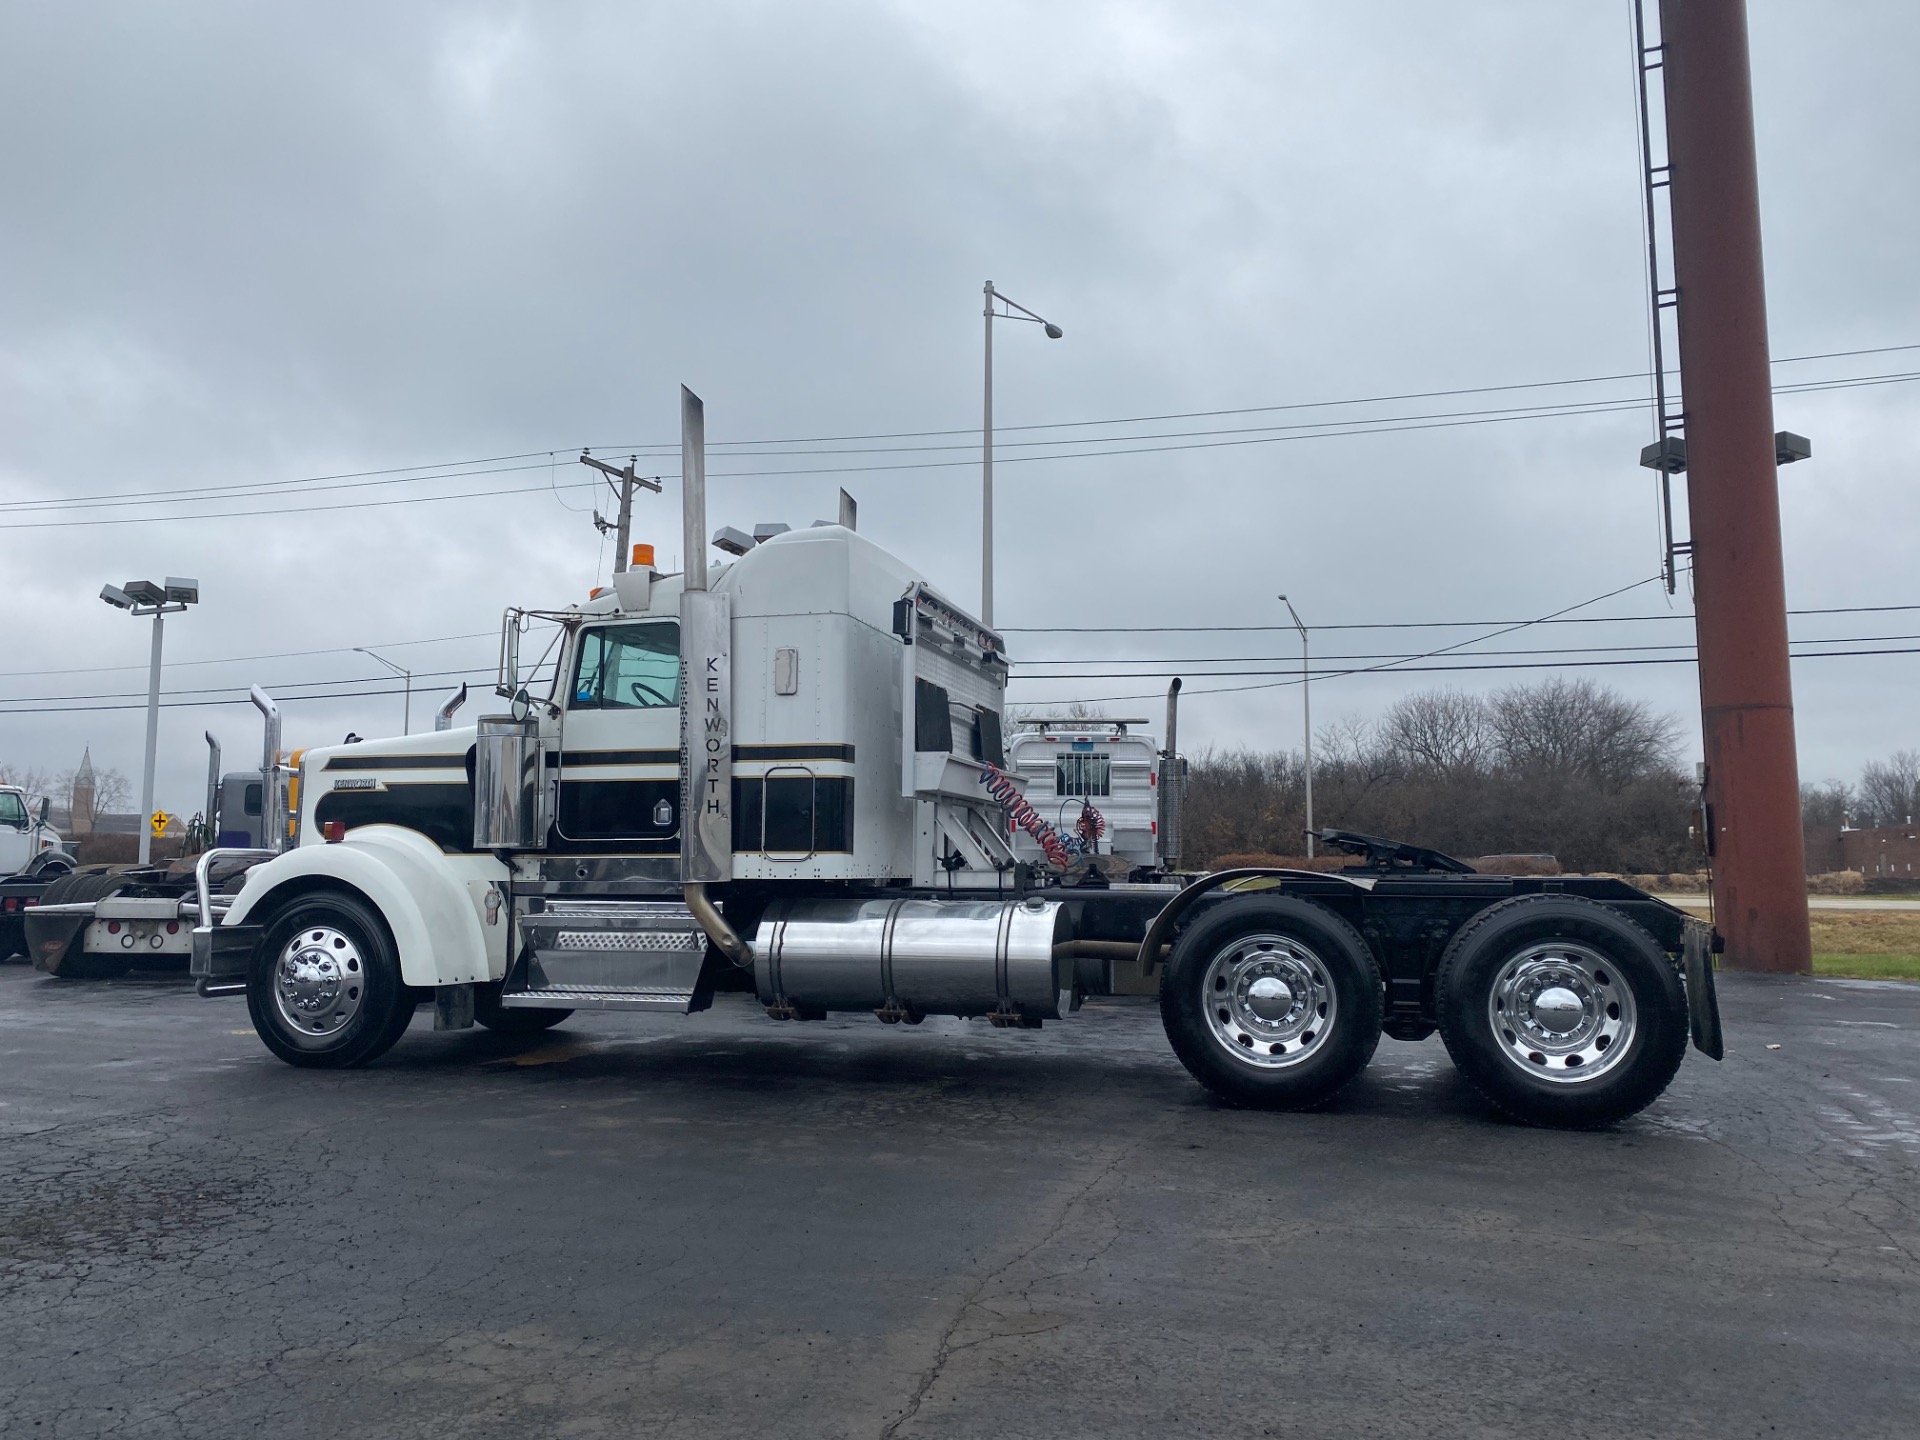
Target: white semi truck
{"points": [[32, 857], [771, 775]]}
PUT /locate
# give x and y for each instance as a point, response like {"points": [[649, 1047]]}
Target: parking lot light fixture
{"points": [[1013, 311], [143, 598], [406, 722]]}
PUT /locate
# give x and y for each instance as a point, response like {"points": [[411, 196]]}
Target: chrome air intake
{"points": [[907, 958]]}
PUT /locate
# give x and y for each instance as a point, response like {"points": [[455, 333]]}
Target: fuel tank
{"points": [[910, 958]]}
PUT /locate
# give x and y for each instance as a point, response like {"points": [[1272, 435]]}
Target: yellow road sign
{"points": [[159, 820]]}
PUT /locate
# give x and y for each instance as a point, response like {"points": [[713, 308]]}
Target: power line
{"points": [[1405, 624], [1191, 660], [239, 700], [1266, 409], [1321, 429], [242, 659], [1412, 670]]}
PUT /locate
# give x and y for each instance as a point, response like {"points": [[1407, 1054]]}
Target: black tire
{"points": [[1615, 1056], [488, 1010], [1331, 1021], [325, 990], [13, 939], [55, 942]]}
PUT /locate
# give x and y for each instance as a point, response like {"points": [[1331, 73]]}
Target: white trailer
{"points": [[771, 775]]}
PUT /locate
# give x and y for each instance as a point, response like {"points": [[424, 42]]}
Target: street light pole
{"points": [[153, 737], [143, 598], [986, 475], [1014, 311], [1306, 713], [406, 724]]}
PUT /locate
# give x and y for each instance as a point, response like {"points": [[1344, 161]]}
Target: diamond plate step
{"points": [[593, 954]]}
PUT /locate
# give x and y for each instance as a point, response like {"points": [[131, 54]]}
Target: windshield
{"points": [[628, 667], [13, 811]]}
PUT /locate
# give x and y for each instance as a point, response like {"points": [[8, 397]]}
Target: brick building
{"points": [[1882, 853]]}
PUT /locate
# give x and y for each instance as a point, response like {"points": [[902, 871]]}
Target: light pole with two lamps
{"points": [[1053, 332], [143, 597], [406, 723], [1306, 713]]}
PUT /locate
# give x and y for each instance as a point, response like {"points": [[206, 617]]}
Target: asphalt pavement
{"points": [[725, 1226]]}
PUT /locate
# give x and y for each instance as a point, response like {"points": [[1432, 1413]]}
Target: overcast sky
{"points": [[246, 243]]}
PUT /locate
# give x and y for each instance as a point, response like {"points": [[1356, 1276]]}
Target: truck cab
{"points": [[28, 845]]}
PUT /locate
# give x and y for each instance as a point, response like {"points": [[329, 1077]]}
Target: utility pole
{"points": [[623, 527], [1733, 489]]}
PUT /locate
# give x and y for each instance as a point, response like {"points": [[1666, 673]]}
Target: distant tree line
{"points": [[1563, 767], [1888, 794]]}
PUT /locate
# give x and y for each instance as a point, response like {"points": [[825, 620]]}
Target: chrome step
{"points": [[605, 954]]}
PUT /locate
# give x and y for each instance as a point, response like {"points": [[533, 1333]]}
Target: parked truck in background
{"points": [[784, 775], [32, 857], [1098, 779]]}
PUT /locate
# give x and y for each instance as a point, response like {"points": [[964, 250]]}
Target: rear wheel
{"points": [[1561, 1011], [498, 1018], [1272, 1001], [325, 990], [57, 943]]}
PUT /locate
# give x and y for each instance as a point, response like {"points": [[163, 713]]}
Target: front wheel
{"points": [[1272, 1002], [324, 989], [1561, 1011]]}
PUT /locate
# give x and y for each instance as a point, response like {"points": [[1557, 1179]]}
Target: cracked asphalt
{"points": [[726, 1226]]}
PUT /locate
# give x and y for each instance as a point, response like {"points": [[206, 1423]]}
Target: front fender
{"points": [[408, 879]]}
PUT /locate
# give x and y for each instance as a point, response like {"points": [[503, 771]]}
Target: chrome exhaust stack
{"points": [[443, 717], [273, 792]]}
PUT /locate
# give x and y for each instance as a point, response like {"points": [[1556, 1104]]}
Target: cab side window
{"points": [[628, 667], [13, 811]]}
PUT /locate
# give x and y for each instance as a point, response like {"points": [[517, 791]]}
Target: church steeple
{"points": [[80, 805]]}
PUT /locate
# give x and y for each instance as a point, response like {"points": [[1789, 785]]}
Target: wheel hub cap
{"points": [[1562, 1013], [319, 981], [1269, 1001], [1558, 1009]]}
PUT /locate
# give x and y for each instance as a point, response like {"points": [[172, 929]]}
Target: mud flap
{"points": [[1703, 1005], [221, 957]]}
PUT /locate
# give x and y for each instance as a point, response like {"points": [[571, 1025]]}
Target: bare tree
{"points": [[1564, 768], [112, 791], [33, 779], [1890, 789], [1574, 729], [1439, 729], [1828, 805]]}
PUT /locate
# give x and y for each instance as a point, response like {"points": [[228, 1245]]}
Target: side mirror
{"points": [[45, 801]]}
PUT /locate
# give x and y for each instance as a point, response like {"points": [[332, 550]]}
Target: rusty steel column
{"points": [[1733, 492]]}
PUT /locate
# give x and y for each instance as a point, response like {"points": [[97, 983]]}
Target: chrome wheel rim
{"points": [[1269, 1001], [1562, 1013], [319, 982]]}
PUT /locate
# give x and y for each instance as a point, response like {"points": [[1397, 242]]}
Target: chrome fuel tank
{"points": [[908, 958]]}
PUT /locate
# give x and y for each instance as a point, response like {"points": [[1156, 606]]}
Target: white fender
{"points": [[415, 886]]}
